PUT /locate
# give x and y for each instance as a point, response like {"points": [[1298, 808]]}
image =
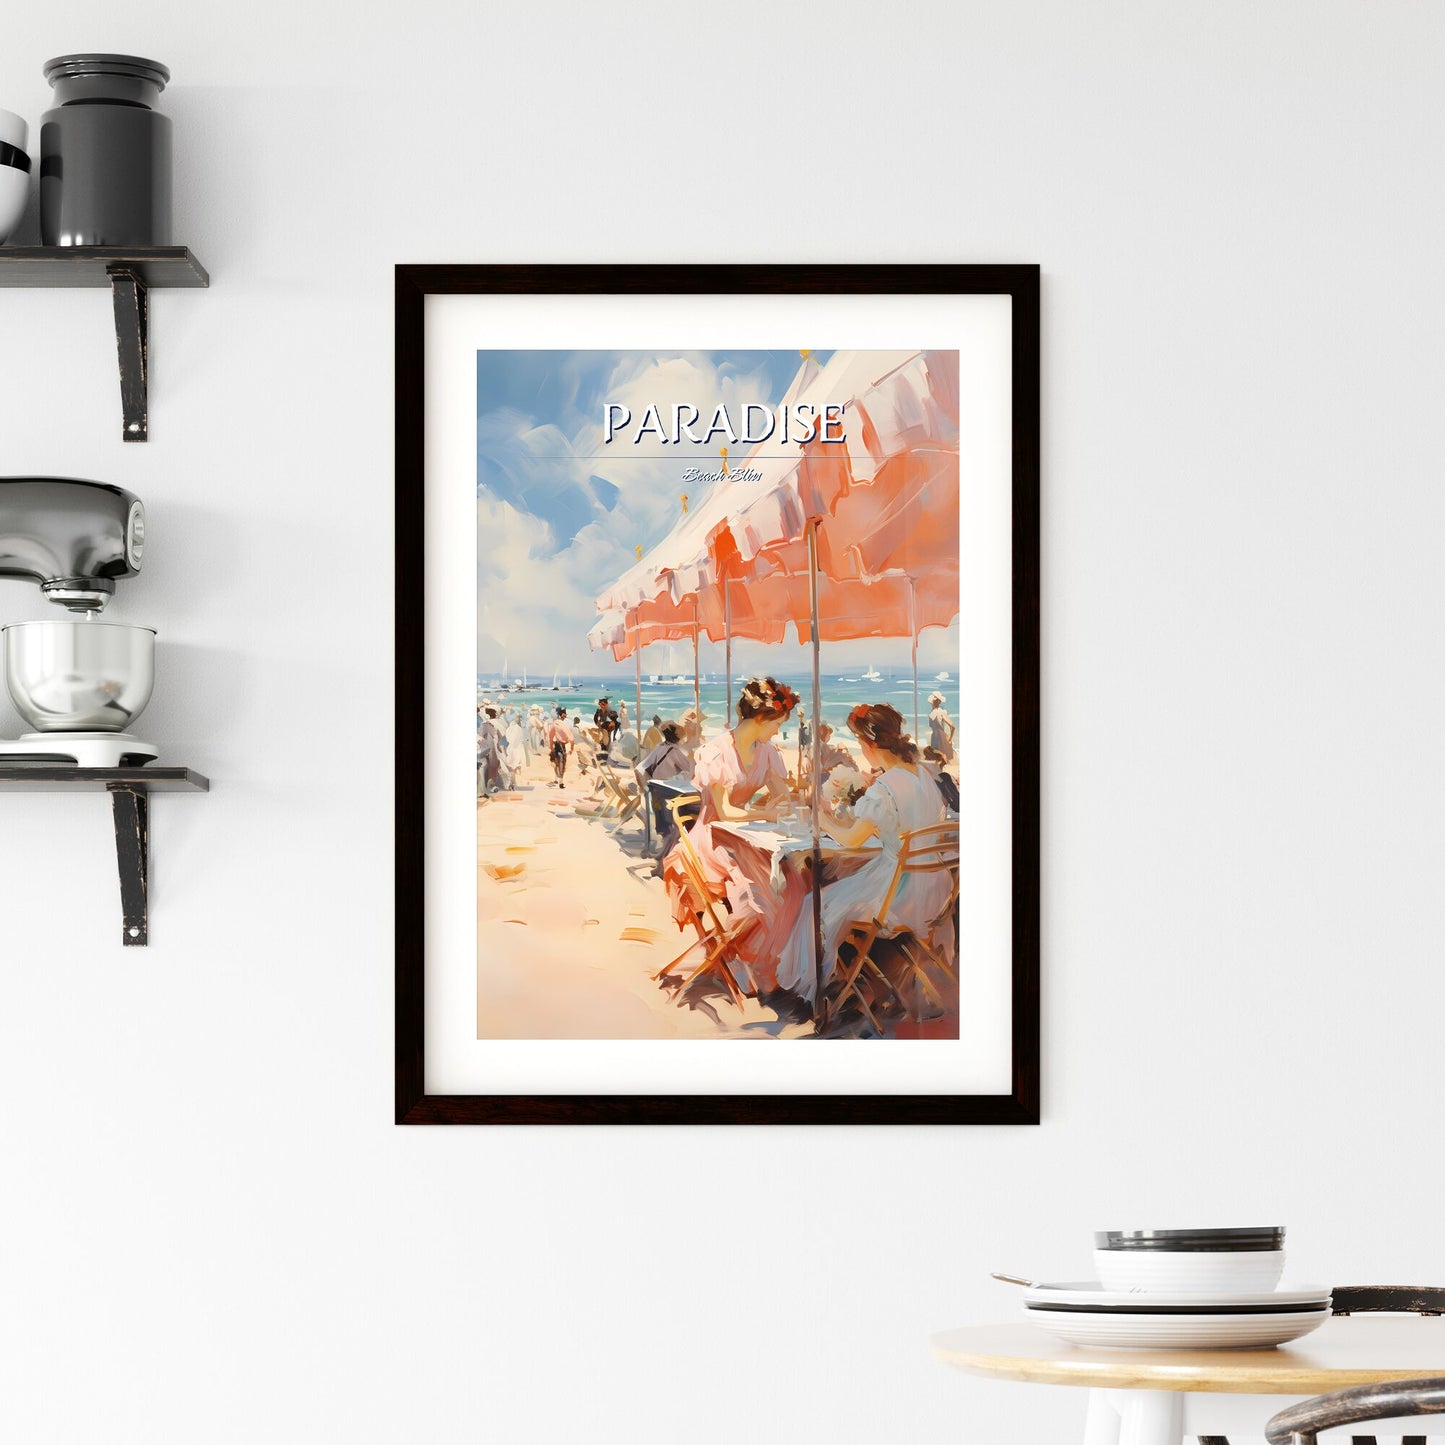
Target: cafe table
{"points": [[1165, 1397], [789, 841]]}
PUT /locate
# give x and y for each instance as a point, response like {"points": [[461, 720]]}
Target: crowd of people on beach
{"points": [[509, 738], [890, 788]]}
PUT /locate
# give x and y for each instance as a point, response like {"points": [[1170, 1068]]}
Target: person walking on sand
{"points": [[583, 746], [559, 743], [940, 728], [516, 747], [609, 725], [489, 750]]}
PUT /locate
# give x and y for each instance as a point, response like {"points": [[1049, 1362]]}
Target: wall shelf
{"points": [[130, 790], [130, 272]]}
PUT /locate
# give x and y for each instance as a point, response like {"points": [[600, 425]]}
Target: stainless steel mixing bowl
{"points": [[79, 676]]}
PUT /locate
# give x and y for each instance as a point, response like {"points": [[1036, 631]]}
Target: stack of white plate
{"points": [[1085, 1313]]}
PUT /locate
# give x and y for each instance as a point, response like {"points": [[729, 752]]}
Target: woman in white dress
{"points": [[517, 754], [901, 799], [940, 728]]}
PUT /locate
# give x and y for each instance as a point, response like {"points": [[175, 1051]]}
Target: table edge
{"points": [[1112, 1373]]}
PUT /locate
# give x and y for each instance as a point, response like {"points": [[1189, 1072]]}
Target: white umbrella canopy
{"points": [[686, 545], [615, 629], [882, 498]]}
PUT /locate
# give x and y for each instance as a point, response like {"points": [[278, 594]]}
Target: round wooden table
{"points": [[1162, 1397]]}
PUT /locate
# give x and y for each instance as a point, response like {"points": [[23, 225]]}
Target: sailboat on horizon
{"points": [[872, 675]]}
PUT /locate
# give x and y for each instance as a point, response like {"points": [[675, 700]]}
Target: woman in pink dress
{"points": [[730, 771]]}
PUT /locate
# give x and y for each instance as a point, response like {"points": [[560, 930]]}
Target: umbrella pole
{"points": [[637, 653], [646, 797], [913, 635], [728, 633], [820, 1008], [696, 674]]}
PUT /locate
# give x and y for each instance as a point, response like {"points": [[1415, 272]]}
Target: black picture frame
{"points": [[414, 284]]}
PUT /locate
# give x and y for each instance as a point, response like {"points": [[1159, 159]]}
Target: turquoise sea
{"points": [[669, 697]]}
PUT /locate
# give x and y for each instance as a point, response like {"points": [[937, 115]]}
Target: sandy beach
{"points": [[573, 925]]}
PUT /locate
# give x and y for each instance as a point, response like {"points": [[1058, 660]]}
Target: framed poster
{"points": [[717, 718]]}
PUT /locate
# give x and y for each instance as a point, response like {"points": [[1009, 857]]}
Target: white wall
{"points": [[209, 1229]]}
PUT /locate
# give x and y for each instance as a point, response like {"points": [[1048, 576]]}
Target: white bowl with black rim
{"points": [[14, 171], [1199, 1261]]}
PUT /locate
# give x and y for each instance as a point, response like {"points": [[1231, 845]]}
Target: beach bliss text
{"points": [[693, 476], [799, 423]]}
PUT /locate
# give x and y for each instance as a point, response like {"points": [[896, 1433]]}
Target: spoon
{"points": [[1014, 1279]]}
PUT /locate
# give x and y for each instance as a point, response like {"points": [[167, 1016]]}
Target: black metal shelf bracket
{"points": [[130, 298], [131, 810], [131, 273], [130, 790]]}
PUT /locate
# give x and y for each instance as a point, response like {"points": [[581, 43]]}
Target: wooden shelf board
{"points": [[157, 266], [57, 778]]}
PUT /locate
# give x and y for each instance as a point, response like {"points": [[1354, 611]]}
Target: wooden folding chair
{"points": [[712, 932], [600, 803], [925, 850], [623, 801]]}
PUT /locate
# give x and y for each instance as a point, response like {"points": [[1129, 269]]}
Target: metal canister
{"points": [[105, 153]]}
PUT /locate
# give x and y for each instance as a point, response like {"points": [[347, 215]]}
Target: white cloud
{"points": [[536, 589]]}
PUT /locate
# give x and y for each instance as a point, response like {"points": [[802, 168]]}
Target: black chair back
{"points": [[1302, 1422], [662, 793], [1397, 1399]]}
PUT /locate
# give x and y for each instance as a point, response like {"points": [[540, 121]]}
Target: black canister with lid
{"points": [[105, 153]]}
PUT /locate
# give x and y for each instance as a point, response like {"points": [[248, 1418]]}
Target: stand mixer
{"points": [[78, 682]]}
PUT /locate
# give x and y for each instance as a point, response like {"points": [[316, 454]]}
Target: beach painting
{"points": [[719, 702]]}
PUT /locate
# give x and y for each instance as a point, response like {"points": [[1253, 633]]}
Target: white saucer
{"points": [[84, 749], [1176, 1332], [1089, 1295]]}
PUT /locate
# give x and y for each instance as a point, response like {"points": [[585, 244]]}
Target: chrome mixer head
{"points": [[72, 537]]}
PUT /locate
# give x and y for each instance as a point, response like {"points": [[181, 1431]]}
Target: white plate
{"points": [[1093, 1294], [1176, 1332]]}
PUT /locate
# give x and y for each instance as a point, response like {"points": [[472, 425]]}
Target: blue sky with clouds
{"points": [[539, 415]]}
